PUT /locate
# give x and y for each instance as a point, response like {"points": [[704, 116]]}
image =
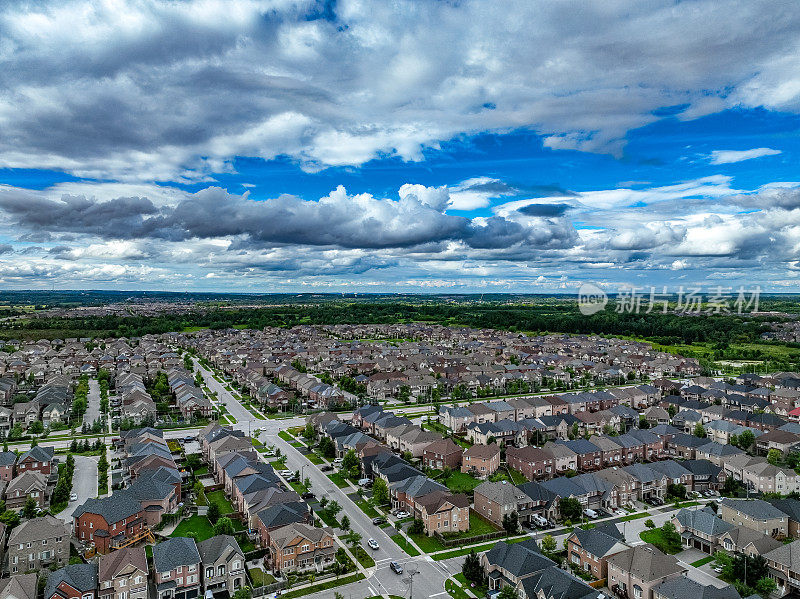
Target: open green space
{"points": [[367, 508], [655, 537], [364, 558], [480, 590], [630, 517], [461, 482], [477, 526], [259, 577], [703, 561], [338, 480], [477, 548], [219, 498], [404, 545], [426, 543], [285, 436], [322, 586], [314, 458], [199, 525], [454, 590]]}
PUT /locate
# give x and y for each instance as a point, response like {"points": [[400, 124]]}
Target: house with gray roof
{"points": [[494, 500], [176, 563], [590, 549], [223, 564], [638, 570], [74, 580], [756, 514], [784, 566], [700, 528], [682, 587]]}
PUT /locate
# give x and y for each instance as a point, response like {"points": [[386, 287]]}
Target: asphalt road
{"points": [[93, 403], [224, 397], [84, 483]]}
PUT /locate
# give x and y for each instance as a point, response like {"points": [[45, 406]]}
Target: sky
{"points": [[410, 146]]}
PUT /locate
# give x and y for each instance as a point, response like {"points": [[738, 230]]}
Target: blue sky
{"points": [[291, 145]]}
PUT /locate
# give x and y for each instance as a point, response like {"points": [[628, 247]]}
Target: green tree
{"points": [[649, 523], [380, 491], [548, 544], [333, 508], [309, 432], [214, 512], [36, 427], [29, 509], [243, 593], [417, 527], [671, 537], [508, 592], [471, 568], [678, 491], [570, 509], [352, 538], [746, 440], [511, 522], [10, 518], [699, 431], [345, 523], [643, 423], [774, 456], [224, 526], [350, 460]]}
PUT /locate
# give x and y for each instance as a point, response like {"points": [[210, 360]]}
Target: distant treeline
{"points": [[560, 317]]}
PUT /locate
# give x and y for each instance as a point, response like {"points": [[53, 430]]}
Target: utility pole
{"points": [[412, 574]]}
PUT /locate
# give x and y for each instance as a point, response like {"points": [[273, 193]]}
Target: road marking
{"points": [[437, 594]]}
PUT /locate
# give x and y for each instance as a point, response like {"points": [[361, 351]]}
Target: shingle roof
{"points": [[117, 506], [682, 587], [646, 563], [212, 549], [174, 552], [81, 577], [703, 520], [758, 509]]}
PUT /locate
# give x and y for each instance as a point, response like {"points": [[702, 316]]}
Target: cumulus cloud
{"points": [[167, 91], [731, 156]]}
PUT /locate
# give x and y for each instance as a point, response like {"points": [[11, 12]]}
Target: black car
{"points": [[308, 495], [396, 567], [326, 468], [378, 520]]}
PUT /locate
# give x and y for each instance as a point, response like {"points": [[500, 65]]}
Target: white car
{"points": [[401, 514], [285, 473], [373, 544], [73, 497]]}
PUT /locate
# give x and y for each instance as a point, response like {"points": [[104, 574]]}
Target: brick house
{"points": [[76, 581], [39, 459], [177, 567], [28, 484], [300, 547], [8, 460], [481, 460], [589, 550], [636, 571], [107, 521], [531, 461], [123, 573], [280, 515], [493, 500], [442, 454], [223, 564], [443, 511]]}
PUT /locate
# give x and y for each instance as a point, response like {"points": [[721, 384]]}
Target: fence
{"points": [[469, 540]]}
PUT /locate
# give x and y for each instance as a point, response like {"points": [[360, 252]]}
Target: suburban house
{"points": [[531, 461], [442, 511], [635, 572], [756, 514], [38, 543], [442, 454], [124, 573], [494, 500], [75, 581], [299, 547], [30, 483], [481, 460], [40, 459], [590, 549], [176, 562], [700, 528], [108, 521], [223, 564]]}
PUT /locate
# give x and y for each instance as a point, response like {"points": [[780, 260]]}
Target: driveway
{"points": [[84, 483]]}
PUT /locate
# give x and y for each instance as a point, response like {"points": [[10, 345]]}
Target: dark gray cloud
{"points": [[337, 220], [544, 210]]}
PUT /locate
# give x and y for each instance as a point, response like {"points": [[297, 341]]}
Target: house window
{"points": [[637, 591], [209, 572], [221, 571]]}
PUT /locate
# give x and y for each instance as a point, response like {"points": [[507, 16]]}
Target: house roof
{"points": [[786, 555], [483, 451], [758, 509], [174, 552], [218, 546], [81, 577], [681, 587], [111, 563], [117, 506], [598, 543], [703, 520], [646, 563], [519, 559], [19, 586]]}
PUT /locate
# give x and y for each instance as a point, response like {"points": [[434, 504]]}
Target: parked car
{"points": [[73, 497], [401, 514], [285, 473], [540, 521], [363, 482], [326, 468], [308, 495], [378, 520], [590, 513], [396, 567], [373, 544]]}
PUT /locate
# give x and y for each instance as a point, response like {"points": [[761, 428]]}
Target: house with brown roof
{"points": [[123, 573], [533, 462], [442, 511], [300, 547], [636, 571], [481, 460], [441, 454]]}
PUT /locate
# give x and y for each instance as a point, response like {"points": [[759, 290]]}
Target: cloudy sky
{"points": [[422, 146]]}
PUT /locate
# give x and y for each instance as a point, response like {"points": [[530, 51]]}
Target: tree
{"points": [[309, 432], [643, 422], [671, 537], [699, 431], [327, 447], [746, 440], [333, 508], [345, 524], [380, 491], [649, 523], [570, 509], [350, 460], [10, 518], [214, 512], [352, 538], [224, 526], [508, 592], [548, 544], [471, 569], [417, 527], [774, 456], [243, 593], [678, 491], [511, 522], [29, 510], [36, 427], [765, 586]]}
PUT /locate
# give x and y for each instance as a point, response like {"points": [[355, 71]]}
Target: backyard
{"points": [[461, 482], [219, 498], [199, 525]]}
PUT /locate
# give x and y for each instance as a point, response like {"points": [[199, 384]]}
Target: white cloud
{"points": [[731, 156]]}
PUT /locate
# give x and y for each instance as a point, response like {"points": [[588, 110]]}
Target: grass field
{"points": [[259, 577], [367, 508], [285, 436], [426, 543], [199, 525], [477, 526], [323, 586], [655, 537], [630, 517], [364, 558], [477, 549], [219, 498], [460, 482], [314, 459], [703, 561], [404, 545], [338, 480]]}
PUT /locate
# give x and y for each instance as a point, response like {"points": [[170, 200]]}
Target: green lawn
{"points": [[219, 498], [367, 508], [279, 464], [404, 545], [314, 458], [634, 517], [327, 519], [246, 545], [460, 482], [426, 543], [364, 558], [323, 586], [454, 590], [299, 487], [196, 524], [477, 526], [338, 480], [285, 436], [703, 561], [655, 537], [260, 578], [477, 549], [480, 591], [201, 471]]}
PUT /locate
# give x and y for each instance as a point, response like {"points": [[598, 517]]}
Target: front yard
{"points": [[460, 482], [260, 578], [338, 480]]}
